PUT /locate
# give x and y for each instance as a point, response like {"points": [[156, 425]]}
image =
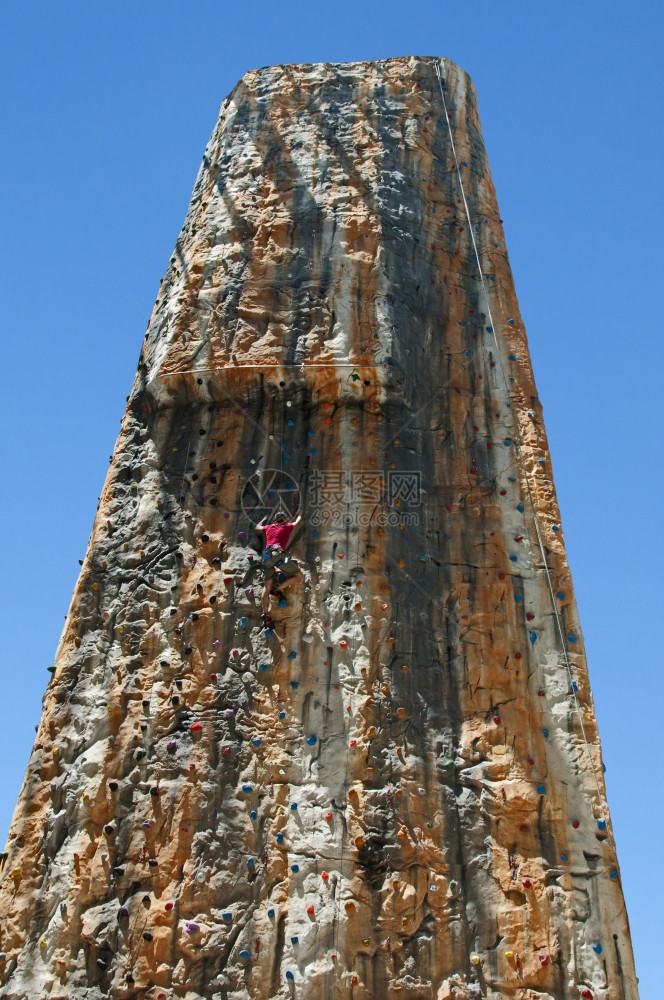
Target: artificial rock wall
{"points": [[398, 791]]}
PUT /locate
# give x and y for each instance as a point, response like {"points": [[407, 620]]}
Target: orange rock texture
{"points": [[398, 790]]}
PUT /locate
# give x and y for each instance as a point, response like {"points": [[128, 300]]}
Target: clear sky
{"points": [[105, 113]]}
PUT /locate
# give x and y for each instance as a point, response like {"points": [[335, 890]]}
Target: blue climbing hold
{"points": [[512, 357], [571, 638], [489, 329], [564, 857], [295, 685], [244, 954], [545, 734], [253, 814], [513, 558], [270, 913], [613, 874], [311, 434], [282, 715], [541, 790], [316, 534], [291, 423], [242, 623], [295, 868], [511, 479], [293, 806], [554, 527], [519, 507], [533, 637], [574, 686], [250, 862], [268, 633], [227, 915], [507, 442], [280, 838], [560, 595], [295, 939], [289, 975], [311, 740], [247, 789], [283, 603], [292, 654], [518, 598], [597, 948], [601, 824]]}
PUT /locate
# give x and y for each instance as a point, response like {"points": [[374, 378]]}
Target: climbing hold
{"points": [[311, 740], [329, 817], [289, 975], [576, 824], [310, 910], [242, 622], [541, 790], [292, 654], [475, 959], [195, 727], [191, 927], [597, 948], [571, 638], [279, 837], [325, 876], [247, 789], [343, 644], [509, 955], [526, 883], [533, 637], [601, 824], [169, 906], [250, 862], [295, 868], [244, 954], [227, 916], [545, 734]]}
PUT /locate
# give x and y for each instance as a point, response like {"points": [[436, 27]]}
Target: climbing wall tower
{"points": [[397, 790]]}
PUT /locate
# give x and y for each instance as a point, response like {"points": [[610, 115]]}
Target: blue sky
{"points": [[105, 114]]}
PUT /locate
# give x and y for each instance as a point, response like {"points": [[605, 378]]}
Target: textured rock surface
{"points": [[393, 794]]}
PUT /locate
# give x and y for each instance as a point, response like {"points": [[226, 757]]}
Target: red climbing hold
{"points": [[328, 817], [195, 727], [576, 824], [324, 876], [529, 616], [343, 644], [517, 656], [586, 994], [501, 576], [310, 911], [496, 719], [526, 883]]}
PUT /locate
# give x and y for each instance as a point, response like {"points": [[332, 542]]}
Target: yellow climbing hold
{"points": [[475, 959]]}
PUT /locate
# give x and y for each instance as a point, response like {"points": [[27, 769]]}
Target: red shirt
{"points": [[278, 534]]}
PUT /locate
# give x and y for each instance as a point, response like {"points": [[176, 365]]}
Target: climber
{"points": [[279, 568]]}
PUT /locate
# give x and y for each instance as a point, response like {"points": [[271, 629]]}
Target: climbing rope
{"points": [[517, 434]]}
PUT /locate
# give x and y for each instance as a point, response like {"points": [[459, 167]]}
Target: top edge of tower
{"points": [[413, 64]]}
